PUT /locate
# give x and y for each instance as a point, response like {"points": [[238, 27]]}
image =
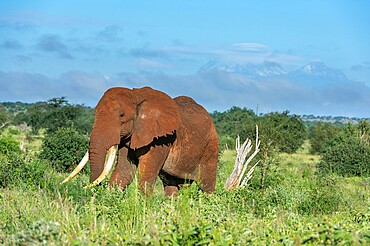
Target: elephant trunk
{"points": [[104, 135]]}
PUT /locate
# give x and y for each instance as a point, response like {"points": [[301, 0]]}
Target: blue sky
{"points": [[78, 49]]}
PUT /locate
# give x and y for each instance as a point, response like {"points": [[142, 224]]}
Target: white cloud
{"points": [[251, 47]]}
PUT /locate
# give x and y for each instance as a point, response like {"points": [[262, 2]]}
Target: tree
{"points": [[232, 123], [283, 132], [278, 131], [58, 113], [321, 135]]}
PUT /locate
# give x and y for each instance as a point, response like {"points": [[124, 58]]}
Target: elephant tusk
{"points": [[81, 165], [107, 166]]}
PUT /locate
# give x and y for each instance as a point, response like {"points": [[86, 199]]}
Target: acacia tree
{"points": [[282, 132], [36, 116], [58, 113]]}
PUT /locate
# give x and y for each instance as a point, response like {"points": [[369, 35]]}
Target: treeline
{"points": [[344, 149], [50, 115], [279, 131]]}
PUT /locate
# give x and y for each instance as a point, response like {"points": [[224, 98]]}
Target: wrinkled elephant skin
{"points": [[156, 135]]}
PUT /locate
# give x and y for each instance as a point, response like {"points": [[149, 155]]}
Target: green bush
{"points": [[8, 145], [64, 148], [348, 154], [15, 171], [323, 196], [11, 166], [39, 233], [322, 134]]}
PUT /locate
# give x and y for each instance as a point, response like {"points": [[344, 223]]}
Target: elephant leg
{"points": [[172, 184], [124, 172], [149, 166], [208, 168]]}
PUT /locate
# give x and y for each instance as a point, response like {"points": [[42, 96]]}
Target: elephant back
{"points": [[194, 117]]}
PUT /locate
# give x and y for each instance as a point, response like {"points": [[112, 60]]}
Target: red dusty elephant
{"points": [[174, 139]]}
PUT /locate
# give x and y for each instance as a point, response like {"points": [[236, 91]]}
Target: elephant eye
{"points": [[121, 115]]}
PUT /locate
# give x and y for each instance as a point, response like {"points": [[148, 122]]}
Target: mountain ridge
{"points": [[313, 70]]}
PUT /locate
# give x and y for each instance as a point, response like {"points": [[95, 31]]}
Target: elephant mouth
{"points": [[108, 165]]}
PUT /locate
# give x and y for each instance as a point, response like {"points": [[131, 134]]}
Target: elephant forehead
{"points": [[114, 105]]}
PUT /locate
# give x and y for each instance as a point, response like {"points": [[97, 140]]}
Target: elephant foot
{"points": [[171, 190], [122, 184]]}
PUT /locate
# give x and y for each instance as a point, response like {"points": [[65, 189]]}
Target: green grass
{"points": [[295, 207]]}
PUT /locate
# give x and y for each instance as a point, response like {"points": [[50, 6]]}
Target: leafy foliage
{"points": [[235, 121], [8, 145], [14, 170], [281, 131], [348, 154], [51, 115], [40, 233], [57, 113], [64, 148], [285, 132], [320, 135]]}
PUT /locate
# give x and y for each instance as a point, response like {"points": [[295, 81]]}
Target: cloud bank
{"points": [[216, 91]]}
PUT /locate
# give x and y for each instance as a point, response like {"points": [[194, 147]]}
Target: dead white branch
{"points": [[4, 124], [237, 178]]}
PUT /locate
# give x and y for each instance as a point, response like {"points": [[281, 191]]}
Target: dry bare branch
{"points": [[237, 178]]}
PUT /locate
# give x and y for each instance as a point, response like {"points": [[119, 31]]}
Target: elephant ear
{"points": [[157, 115]]}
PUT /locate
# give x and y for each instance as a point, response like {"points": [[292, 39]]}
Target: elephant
{"points": [[154, 135]]}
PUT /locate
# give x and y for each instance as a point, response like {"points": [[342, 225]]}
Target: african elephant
{"points": [[174, 139]]}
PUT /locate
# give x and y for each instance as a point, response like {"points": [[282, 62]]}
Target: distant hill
{"points": [[336, 120], [16, 107]]}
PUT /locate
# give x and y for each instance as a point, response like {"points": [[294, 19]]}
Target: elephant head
{"points": [[127, 117]]}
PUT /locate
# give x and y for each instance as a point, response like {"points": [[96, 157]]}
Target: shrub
{"points": [[11, 165], [39, 233], [64, 148], [323, 196], [348, 154], [16, 171], [322, 134], [8, 145]]}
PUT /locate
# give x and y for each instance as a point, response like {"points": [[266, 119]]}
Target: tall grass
{"points": [[295, 207]]}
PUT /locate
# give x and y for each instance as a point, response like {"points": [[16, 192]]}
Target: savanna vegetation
{"points": [[315, 187]]}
